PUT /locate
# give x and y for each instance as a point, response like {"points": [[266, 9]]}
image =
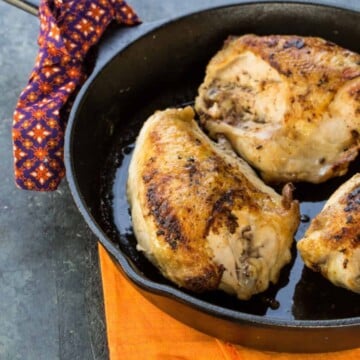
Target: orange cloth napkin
{"points": [[136, 329]]}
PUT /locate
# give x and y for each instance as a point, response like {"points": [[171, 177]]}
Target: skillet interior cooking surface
{"points": [[300, 293], [164, 69]]}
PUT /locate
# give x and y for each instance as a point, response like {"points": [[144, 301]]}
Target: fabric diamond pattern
{"points": [[68, 30]]}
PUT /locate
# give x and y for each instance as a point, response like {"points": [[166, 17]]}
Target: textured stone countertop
{"points": [[50, 287]]}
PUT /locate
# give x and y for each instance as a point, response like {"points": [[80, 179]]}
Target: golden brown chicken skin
{"points": [[331, 245], [201, 214], [289, 105]]}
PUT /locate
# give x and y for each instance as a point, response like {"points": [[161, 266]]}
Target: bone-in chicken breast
{"points": [[289, 105], [331, 245], [201, 215]]}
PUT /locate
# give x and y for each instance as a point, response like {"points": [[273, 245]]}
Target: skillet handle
{"points": [[30, 6]]}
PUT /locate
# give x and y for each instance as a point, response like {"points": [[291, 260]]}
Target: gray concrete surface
{"points": [[50, 288]]}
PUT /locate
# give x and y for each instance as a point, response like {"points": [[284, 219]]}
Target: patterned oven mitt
{"points": [[68, 29]]}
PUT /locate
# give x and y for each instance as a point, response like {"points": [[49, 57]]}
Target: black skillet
{"points": [[158, 65]]}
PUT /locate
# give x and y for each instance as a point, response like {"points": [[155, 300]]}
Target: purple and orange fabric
{"points": [[68, 30]]}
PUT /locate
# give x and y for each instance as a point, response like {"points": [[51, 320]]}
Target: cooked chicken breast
{"points": [[201, 215], [331, 245], [289, 105]]}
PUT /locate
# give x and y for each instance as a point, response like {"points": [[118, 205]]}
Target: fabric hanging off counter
{"points": [[136, 329]]}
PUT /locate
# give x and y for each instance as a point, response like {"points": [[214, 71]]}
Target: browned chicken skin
{"points": [[289, 105], [331, 245], [200, 213]]}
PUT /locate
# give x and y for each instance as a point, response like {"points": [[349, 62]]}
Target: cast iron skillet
{"points": [[159, 65]]}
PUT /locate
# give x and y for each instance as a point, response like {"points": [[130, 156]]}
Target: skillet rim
{"points": [[123, 260]]}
